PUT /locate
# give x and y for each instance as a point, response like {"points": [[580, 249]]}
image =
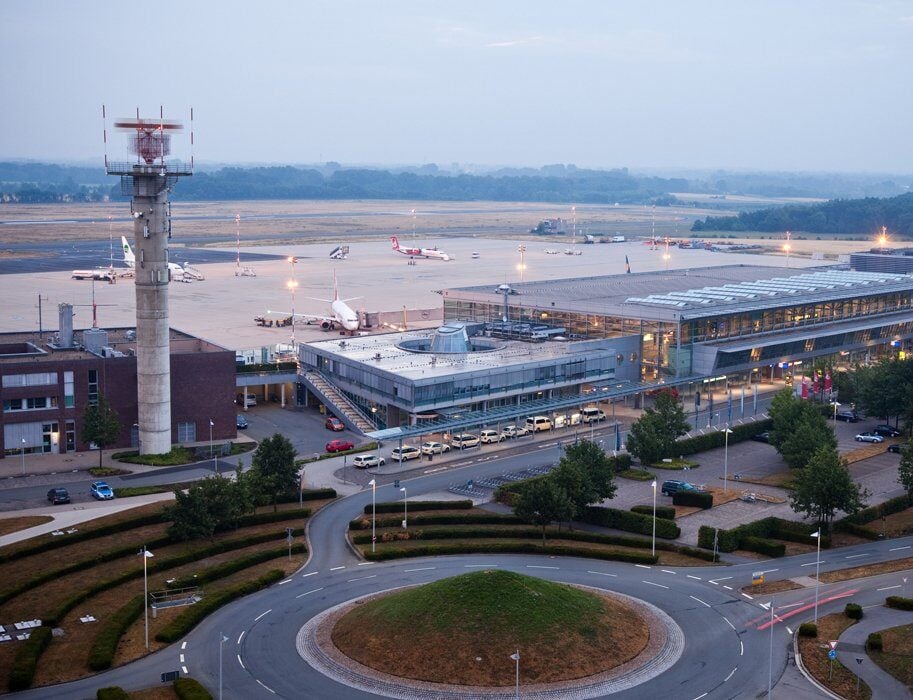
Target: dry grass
{"points": [[8, 525], [779, 479], [897, 655], [870, 570], [165, 692], [897, 524], [771, 587], [833, 675]]}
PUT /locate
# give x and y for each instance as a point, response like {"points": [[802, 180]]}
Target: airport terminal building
{"points": [[560, 343]]}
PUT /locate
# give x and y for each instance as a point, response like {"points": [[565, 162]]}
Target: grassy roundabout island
{"points": [[462, 631]]}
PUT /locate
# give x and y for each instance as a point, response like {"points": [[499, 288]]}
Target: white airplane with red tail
{"points": [[420, 252]]}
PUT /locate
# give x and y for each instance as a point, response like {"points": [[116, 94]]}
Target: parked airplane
{"points": [[420, 252], [342, 315], [183, 273]]}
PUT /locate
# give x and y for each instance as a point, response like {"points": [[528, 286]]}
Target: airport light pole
{"points": [[405, 508], [373, 485], [292, 284], [786, 248], [817, 536], [522, 266], [22, 452], [516, 657], [726, 432], [146, 556]]}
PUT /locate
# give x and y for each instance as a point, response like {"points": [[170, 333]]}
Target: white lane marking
{"points": [[297, 596], [666, 571], [717, 580], [812, 563], [288, 580], [741, 648], [332, 568], [658, 585], [887, 589], [769, 571], [240, 637], [702, 695], [265, 686], [424, 568], [789, 630], [602, 573], [361, 578], [478, 566], [365, 563], [715, 583], [313, 573], [729, 623], [731, 674], [532, 566], [748, 596], [897, 549], [183, 646], [856, 556], [696, 578], [791, 605], [262, 614], [184, 669], [643, 566], [182, 658], [241, 662], [728, 588], [700, 601]]}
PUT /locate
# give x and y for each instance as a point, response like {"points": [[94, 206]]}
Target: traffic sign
{"points": [[832, 654], [833, 643]]}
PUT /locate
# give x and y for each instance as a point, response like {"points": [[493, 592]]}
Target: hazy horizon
{"points": [[778, 87]]}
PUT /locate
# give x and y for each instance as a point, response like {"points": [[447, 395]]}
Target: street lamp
{"points": [[292, 284], [726, 432], [654, 518], [215, 463], [222, 640], [770, 664], [405, 508], [516, 657], [146, 556], [836, 406], [22, 451], [817, 536], [522, 266], [373, 485]]}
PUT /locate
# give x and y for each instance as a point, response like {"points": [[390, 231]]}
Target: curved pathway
{"points": [[852, 647]]}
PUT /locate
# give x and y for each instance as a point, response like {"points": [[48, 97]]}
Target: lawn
{"points": [[870, 570], [896, 656], [8, 525], [833, 675]]}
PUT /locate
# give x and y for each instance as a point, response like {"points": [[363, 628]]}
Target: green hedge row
{"points": [[112, 693], [269, 517], [763, 546], [102, 652], [700, 499], [857, 530], [435, 550], [767, 528], [364, 523], [307, 495], [190, 689], [416, 506], [867, 515], [23, 669], [192, 616], [630, 522], [664, 512], [717, 438], [214, 573], [899, 603]]}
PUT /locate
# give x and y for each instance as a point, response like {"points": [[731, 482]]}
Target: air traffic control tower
{"points": [[148, 182]]}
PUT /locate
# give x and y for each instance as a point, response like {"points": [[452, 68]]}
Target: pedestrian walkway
{"points": [[852, 647]]}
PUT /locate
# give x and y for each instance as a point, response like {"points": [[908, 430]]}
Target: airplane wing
{"points": [[307, 318]]}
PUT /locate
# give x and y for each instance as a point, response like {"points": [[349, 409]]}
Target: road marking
{"points": [[731, 674], [895, 549], [265, 686], [855, 556], [313, 573], [658, 585], [702, 695], [696, 578], [183, 645], [240, 637], [728, 588], [288, 580], [789, 630], [602, 573], [666, 571], [424, 568], [432, 471], [715, 583], [700, 601], [182, 658], [366, 563], [262, 614], [748, 596], [532, 566], [769, 571], [477, 566], [791, 605], [361, 578], [729, 623], [812, 563], [643, 566], [333, 568], [887, 589], [241, 662], [717, 580], [741, 648], [297, 596], [184, 669]]}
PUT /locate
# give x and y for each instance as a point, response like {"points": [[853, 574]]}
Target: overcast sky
{"points": [[823, 85]]}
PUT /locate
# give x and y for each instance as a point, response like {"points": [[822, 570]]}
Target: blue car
{"points": [[101, 491]]}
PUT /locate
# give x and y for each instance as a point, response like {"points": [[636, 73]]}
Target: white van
{"points": [[564, 419], [592, 414], [536, 423], [618, 239]]}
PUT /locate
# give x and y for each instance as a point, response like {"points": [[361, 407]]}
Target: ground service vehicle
{"points": [[535, 424]]}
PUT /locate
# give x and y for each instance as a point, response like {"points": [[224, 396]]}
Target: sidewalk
{"points": [[852, 647]]}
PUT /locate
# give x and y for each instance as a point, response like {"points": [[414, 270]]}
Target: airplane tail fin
{"points": [[395, 243], [129, 257]]}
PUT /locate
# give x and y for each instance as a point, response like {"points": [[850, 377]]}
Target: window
{"points": [[37, 379], [93, 387], [37, 403], [69, 395], [187, 432], [71, 436]]}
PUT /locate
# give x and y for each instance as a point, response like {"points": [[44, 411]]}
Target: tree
{"points": [[785, 410], [653, 435], [210, 505], [273, 468], [543, 502], [807, 437], [905, 470], [825, 486], [100, 425], [570, 477], [585, 475], [886, 389]]}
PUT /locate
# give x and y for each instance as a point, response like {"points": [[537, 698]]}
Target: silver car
{"points": [[367, 461], [869, 437]]}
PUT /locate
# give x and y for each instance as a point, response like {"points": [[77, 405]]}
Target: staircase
{"points": [[347, 411]]}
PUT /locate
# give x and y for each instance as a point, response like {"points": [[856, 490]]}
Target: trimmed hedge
{"points": [[23, 670], [762, 546], [857, 530], [417, 506], [664, 512], [874, 642], [306, 495], [194, 614], [190, 689], [898, 603], [617, 519], [112, 693], [364, 523], [102, 652], [767, 528], [693, 498], [867, 515], [712, 440], [435, 550], [225, 569], [853, 611], [278, 516], [808, 629]]}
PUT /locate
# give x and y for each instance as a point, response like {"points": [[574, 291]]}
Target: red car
{"points": [[334, 424], [339, 445]]}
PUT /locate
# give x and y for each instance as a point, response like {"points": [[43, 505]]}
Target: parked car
{"points": [[848, 416], [241, 422], [464, 440], [101, 491], [512, 431], [250, 401], [339, 445], [672, 486], [434, 448], [565, 419], [762, 437], [405, 453], [895, 448], [591, 414], [886, 431], [536, 423], [58, 496], [334, 424], [366, 461], [869, 437], [489, 436]]}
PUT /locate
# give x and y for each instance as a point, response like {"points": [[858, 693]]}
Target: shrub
{"points": [[874, 642], [693, 498], [433, 550], [364, 522], [26, 661], [763, 546], [190, 689], [766, 528], [102, 652], [808, 629], [417, 506], [630, 522], [637, 475], [726, 540], [112, 693], [307, 495], [898, 603], [664, 512], [709, 441], [225, 569], [853, 611], [867, 515]]}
